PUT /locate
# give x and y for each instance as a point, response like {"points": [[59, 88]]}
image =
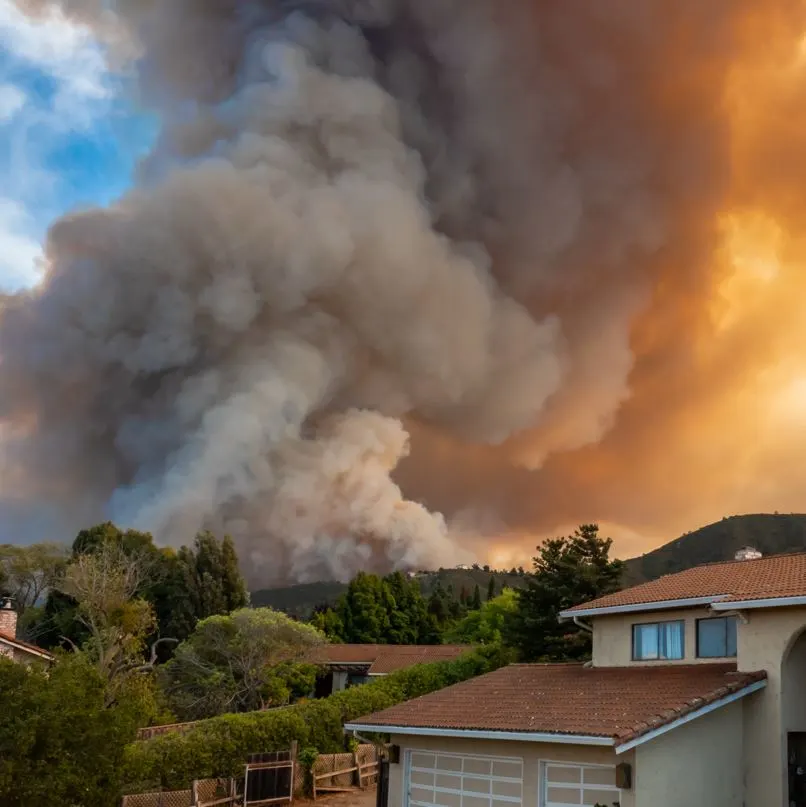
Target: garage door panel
{"points": [[457, 780], [508, 770], [509, 789], [448, 799], [482, 766], [449, 781]]}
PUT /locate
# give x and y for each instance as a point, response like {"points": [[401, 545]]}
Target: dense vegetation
{"points": [[304, 599], [393, 610], [218, 747]]}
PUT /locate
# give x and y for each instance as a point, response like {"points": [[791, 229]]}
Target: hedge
{"points": [[219, 746]]}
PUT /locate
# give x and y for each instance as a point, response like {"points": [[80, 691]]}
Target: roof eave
{"points": [[480, 734], [770, 602], [661, 605], [25, 648], [687, 718]]}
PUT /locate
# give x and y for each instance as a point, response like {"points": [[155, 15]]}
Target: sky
{"points": [[70, 134]]}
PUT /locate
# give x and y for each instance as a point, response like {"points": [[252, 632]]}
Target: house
{"points": [[347, 665], [14, 648], [695, 696]]}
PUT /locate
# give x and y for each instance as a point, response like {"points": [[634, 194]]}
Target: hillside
{"points": [[770, 533], [300, 600]]}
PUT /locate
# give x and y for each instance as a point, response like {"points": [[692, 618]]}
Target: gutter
{"points": [[771, 602], [582, 625], [661, 605], [477, 734]]}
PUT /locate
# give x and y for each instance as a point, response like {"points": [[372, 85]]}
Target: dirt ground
{"points": [[362, 799]]}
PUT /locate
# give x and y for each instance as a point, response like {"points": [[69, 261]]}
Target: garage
{"points": [[454, 780], [564, 783]]}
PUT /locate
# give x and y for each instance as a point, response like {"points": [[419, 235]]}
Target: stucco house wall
{"points": [[612, 636], [531, 753], [764, 643], [699, 763]]}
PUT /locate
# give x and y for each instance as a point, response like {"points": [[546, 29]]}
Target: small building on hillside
{"points": [[695, 695], [14, 648], [348, 665]]}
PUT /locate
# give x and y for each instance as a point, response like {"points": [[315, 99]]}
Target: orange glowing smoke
{"points": [[715, 421]]}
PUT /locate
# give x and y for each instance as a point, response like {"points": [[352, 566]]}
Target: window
{"points": [[589, 785], [655, 641], [716, 638]]}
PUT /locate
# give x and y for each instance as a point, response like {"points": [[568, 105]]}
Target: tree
{"points": [[567, 571], [104, 584], [59, 742], [251, 659], [197, 582], [475, 603], [489, 624], [182, 587], [491, 588]]}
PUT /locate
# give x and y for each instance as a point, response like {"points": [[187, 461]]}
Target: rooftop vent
{"points": [[748, 553]]}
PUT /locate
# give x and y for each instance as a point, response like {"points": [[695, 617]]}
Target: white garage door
{"points": [[452, 780], [564, 784]]}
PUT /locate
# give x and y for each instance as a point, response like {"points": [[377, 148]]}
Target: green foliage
{"points": [[375, 610], [475, 603], [491, 588], [567, 571], [182, 587], [219, 747], [59, 744], [487, 625], [305, 599], [250, 659]]}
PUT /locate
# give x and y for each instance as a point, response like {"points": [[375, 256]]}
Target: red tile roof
{"points": [[772, 577], [25, 646], [621, 703], [385, 658]]}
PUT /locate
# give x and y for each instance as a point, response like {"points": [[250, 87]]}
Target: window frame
{"points": [[657, 624], [727, 620]]}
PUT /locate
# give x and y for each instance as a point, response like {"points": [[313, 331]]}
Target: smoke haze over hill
{"points": [[553, 246]]}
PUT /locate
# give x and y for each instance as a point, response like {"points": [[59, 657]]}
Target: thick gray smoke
{"points": [[358, 213]]}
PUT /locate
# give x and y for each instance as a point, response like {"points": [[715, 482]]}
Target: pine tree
{"points": [[475, 603], [491, 589]]}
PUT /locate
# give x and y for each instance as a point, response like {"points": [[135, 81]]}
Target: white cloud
{"points": [[36, 120], [12, 100], [20, 252], [54, 45]]}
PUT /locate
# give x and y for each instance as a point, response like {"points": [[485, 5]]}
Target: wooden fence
{"points": [[340, 773], [271, 779]]}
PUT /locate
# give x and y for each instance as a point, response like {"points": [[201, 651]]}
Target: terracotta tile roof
{"points": [[766, 578], [381, 659], [621, 703], [25, 646]]}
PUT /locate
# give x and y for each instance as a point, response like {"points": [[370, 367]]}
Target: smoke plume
{"points": [[517, 232]]}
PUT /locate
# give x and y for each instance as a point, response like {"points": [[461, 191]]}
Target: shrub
{"points": [[220, 746]]}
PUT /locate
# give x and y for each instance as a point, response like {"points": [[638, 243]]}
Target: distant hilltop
{"points": [[769, 533]]}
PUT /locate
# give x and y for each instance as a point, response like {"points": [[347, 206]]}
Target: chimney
{"points": [[748, 553], [8, 618]]}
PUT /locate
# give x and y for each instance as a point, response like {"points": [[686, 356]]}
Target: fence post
{"points": [[357, 766], [294, 749], [194, 794]]}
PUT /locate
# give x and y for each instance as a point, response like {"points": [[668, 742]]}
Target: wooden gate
{"points": [[382, 794], [269, 779]]}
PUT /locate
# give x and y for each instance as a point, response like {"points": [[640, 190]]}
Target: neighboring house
{"points": [[347, 665], [695, 697], [11, 646]]}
